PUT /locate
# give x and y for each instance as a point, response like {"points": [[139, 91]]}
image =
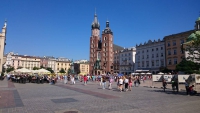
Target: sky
{"points": [[62, 28]]}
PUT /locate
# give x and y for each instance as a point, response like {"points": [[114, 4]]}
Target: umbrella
{"points": [[160, 73], [148, 73], [23, 70], [34, 71], [142, 73], [43, 71], [136, 73], [120, 75]]}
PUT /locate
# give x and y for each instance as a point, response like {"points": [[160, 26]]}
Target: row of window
{"points": [[116, 57], [174, 42], [147, 56], [174, 52], [169, 61], [147, 50], [153, 63], [104, 54], [129, 54], [125, 68], [62, 64], [126, 59], [104, 44]]}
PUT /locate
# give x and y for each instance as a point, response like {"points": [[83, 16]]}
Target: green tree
{"points": [[192, 46], [50, 69], [9, 69], [41, 66], [62, 70], [3, 71], [188, 67], [165, 70], [36, 68]]}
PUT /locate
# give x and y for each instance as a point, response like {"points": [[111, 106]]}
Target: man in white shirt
{"points": [[120, 84], [8, 76]]}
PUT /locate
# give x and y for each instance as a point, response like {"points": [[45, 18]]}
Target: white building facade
{"points": [[116, 61], [127, 60], [8, 60], [2, 45], [52, 63], [150, 56]]}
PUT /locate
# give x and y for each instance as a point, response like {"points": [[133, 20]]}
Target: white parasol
{"points": [[160, 73]]}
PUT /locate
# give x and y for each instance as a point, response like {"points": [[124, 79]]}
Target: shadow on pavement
{"points": [[170, 92]]}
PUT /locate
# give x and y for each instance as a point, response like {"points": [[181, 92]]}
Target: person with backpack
{"points": [[164, 84], [104, 82]]}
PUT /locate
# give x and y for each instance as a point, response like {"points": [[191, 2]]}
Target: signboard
{"points": [[168, 78], [197, 78], [157, 78], [182, 78]]}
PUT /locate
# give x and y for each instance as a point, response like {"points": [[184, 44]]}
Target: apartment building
{"points": [[173, 50], [62, 63], [127, 60], [150, 56], [25, 61]]}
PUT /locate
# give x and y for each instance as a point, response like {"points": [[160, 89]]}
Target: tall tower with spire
{"points": [[101, 49], [95, 43], [2, 45]]}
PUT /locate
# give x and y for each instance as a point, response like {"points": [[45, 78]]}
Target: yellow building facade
{"points": [[24, 61], [84, 68], [62, 64]]}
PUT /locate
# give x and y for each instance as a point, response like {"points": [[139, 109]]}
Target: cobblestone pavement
{"points": [[78, 98]]}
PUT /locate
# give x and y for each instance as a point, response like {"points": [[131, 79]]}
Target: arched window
{"points": [[104, 38]]}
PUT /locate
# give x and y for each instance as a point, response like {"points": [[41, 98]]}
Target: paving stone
{"points": [[60, 98], [63, 100]]}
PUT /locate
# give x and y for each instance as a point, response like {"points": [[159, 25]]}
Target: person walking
{"points": [[85, 80], [129, 83], [110, 82], [187, 87], [120, 84], [126, 83], [164, 84], [65, 79], [100, 80], [104, 82], [138, 81], [72, 79]]}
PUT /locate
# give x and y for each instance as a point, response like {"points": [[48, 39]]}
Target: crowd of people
{"points": [[175, 86], [26, 78], [124, 83]]}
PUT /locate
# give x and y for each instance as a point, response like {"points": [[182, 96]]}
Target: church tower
{"points": [[2, 45], [197, 24], [95, 43], [107, 50]]}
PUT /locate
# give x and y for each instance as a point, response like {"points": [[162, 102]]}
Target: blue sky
{"points": [[62, 28]]}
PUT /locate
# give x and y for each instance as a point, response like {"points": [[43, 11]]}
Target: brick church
{"points": [[101, 49]]}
